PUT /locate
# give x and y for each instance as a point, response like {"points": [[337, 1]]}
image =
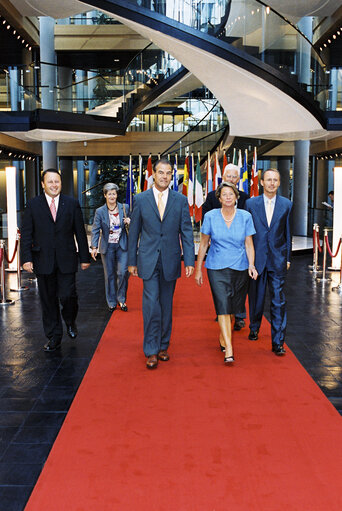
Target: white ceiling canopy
{"points": [[293, 9], [43, 135], [56, 9], [296, 10], [254, 107]]}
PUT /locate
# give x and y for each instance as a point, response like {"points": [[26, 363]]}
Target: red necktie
{"points": [[53, 210]]}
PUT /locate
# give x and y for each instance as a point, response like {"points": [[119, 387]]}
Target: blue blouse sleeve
{"points": [[206, 226], [250, 229]]}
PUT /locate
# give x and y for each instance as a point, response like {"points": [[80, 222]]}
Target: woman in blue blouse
{"points": [[229, 261]]}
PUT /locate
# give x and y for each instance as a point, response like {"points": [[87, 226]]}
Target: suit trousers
{"points": [[157, 311], [114, 263], [56, 288], [256, 299]]}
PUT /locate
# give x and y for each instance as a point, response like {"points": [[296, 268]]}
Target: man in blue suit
{"points": [[272, 242], [160, 227]]}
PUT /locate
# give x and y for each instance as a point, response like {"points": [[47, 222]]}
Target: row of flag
{"points": [[192, 180]]}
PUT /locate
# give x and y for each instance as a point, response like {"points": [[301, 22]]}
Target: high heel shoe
{"points": [[229, 360], [223, 348]]}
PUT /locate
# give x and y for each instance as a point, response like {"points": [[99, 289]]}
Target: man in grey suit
{"points": [[161, 221]]}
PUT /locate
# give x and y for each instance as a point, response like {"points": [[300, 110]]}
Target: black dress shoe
{"points": [[111, 309], [52, 345], [253, 335], [72, 331], [239, 323], [278, 349], [123, 307]]}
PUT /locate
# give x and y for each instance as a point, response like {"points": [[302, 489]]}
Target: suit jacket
{"points": [[212, 202], [272, 243], [160, 238], [45, 242], [101, 224]]}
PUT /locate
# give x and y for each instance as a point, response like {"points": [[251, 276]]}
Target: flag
{"points": [[255, 176], [198, 192], [140, 175], [241, 170], [235, 157], [245, 174], [130, 185], [191, 185], [148, 174], [209, 178], [217, 172], [185, 177], [225, 162], [175, 175]]}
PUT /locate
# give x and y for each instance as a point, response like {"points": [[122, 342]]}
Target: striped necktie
{"points": [[161, 206], [53, 210]]}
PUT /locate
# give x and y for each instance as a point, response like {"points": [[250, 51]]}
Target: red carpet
{"points": [[193, 435]]}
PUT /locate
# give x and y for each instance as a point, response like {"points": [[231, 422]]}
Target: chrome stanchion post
{"points": [[19, 287], [324, 278], [312, 266], [338, 288], [2, 276], [315, 265]]}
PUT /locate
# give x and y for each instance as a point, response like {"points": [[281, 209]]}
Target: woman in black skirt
{"points": [[229, 261]]}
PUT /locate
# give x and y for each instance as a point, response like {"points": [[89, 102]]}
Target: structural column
{"points": [[66, 168], [302, 147], [93, 166], [284, 171], [300, 187], [80, 181], [48, 83], [30, 180]]}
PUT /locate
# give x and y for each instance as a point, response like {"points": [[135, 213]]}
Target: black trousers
{"points": [[55, 289]]}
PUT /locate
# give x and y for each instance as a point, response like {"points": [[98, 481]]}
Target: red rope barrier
{"points": [[1, 255], [318, 240], [14, 253], [329, 249]]}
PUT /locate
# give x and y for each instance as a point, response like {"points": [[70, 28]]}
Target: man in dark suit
{"points": [[231, 174], [51, 221], [272, 243], [161, 220]]}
